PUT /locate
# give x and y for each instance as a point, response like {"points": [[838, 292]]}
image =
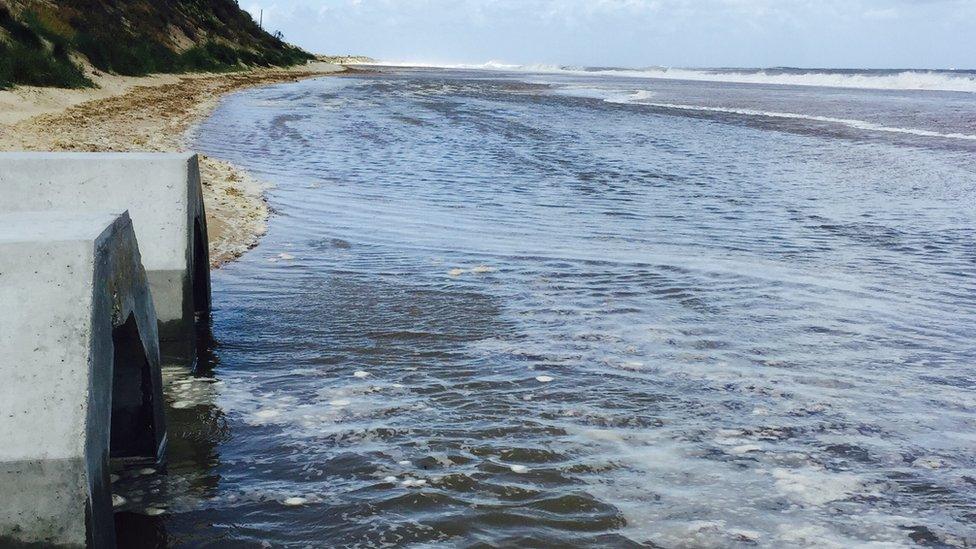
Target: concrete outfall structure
{"points": [[79, 363], [162, 193]]}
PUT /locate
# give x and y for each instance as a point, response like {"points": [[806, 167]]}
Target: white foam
{"points": [[744, 449], [815, 486], [636, 96], [608, 94], [641, 95], [930, 462]]}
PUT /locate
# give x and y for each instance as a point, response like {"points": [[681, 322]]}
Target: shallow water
{"points": [[519, 310]]}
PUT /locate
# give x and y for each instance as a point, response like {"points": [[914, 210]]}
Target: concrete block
{"points": [[162, 194], [80, 382]]}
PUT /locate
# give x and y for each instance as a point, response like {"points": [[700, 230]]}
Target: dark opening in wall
{"points": [[133, 428], [200, 273]]}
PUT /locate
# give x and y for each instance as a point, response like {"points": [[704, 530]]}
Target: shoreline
{"points": [[155, 113]]}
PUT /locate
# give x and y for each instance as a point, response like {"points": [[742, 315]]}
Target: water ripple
{"points": [[489, 315]]}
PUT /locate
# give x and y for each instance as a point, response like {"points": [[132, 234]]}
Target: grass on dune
{"points": [[36, 48]]}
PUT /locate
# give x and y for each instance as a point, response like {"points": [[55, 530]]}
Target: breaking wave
{"points": [[913, 79]]}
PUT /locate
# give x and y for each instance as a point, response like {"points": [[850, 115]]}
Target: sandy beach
{"points": [[153, 113]]}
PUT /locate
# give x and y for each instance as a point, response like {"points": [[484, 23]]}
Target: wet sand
{"points": [[153, 113]]}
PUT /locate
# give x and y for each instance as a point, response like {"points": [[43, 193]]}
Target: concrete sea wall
{"points": [[162, 194], [104, 269], [80, 370]]}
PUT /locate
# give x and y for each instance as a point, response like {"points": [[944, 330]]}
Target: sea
{"points": [[507, 306]]}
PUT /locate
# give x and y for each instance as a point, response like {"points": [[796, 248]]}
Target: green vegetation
{"points": [[137, 57], [135, 39], [26, 59], [36, 67]]}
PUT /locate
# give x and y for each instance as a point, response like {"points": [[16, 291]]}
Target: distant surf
{"points": [[880, 79]]}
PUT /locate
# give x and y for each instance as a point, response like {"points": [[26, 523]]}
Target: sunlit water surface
{"points": [[526, 310]]}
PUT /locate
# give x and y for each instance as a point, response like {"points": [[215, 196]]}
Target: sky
{"points": [[636, 33]]}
